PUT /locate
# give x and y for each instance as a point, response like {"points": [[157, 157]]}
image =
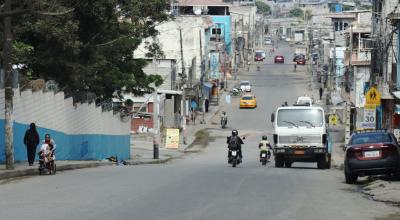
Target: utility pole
{"points": [[235, 52], [9, 93], [351, 50], [202, 77], [156, 126], [183, 87]]}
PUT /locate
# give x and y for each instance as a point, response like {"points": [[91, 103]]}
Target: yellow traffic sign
{"points": [[332, 119], [373, 97]]}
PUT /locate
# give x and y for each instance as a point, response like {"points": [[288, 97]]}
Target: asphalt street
{"points": [[203, 185]]}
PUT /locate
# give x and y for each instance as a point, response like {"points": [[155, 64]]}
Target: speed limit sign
{"points": [[369, 118]]}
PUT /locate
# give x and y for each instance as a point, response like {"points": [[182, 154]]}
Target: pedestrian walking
{"points": [[31, 141], [206, 103], [321, 91]]}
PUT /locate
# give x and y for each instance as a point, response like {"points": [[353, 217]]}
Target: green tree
{"points": [[308, 14], [90, 48], [263, 8], [296, 12]]}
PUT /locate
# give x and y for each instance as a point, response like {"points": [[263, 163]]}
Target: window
{"points": [[216, 31], [371, 138], [137, 105], [247, 98], [300, 117]]}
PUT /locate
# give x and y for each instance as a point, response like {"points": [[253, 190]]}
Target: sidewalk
{"points": [[23, 169], [336, 131]]}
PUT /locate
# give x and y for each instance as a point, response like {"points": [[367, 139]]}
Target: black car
{"points": [[298, 56], [368, 153]]}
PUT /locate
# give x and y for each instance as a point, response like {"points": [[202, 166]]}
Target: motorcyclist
{"points": [[235, 143], [47, 150], [223, 116], [265, 146]]}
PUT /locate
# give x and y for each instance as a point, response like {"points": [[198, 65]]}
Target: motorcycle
{"points": [[224, 121], [234, 158], [264, 157], [47, 163], [235, 91]]}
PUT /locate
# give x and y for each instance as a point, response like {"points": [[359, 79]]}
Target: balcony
{"points": [[362, 58]]}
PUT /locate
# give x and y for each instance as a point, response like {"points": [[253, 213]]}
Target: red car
{"points": [[279, 59], [370, 153], [258, 57], [301, 61]]}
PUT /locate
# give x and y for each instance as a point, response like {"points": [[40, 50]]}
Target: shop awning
{"points": [[397, 109], [396, 94], [172, 92], [208, 85], [387, 96]]}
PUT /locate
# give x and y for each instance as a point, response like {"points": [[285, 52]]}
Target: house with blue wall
{"points": [[223, 23]]}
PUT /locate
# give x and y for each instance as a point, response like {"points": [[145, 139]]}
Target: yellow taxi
{"points": [[248, 101]]}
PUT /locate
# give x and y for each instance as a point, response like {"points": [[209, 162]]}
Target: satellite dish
{"points": [[197, 12], [52, 85]]}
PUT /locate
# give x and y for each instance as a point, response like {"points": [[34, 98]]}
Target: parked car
{"points": [[248, 101], [279, 59], [370, 153], [298, 56], [268, 41], [245, 86], [301, 61], [259, 56]]}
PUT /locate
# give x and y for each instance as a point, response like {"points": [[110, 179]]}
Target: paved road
{"points": [[201, 186]]}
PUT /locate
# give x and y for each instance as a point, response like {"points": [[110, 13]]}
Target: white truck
{"points": [[298, 37], [300, 135]]}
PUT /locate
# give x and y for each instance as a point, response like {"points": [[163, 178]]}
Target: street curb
{"points": [[35, 172], [155, 161]]}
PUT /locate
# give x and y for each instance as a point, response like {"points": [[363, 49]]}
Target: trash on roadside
{"points": [[121, 163], [112, 159]]}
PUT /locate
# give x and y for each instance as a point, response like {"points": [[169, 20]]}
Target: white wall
{"points": [[52, 111], [169, 39]]}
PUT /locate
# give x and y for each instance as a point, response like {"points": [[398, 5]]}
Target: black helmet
{"points": [[235, 132], [264, 137]]}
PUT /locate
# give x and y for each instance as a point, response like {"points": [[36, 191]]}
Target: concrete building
{"points": [[192, 29], [385, 68]]}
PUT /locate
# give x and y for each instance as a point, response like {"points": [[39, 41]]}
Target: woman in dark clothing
{"points": [[31, 141]]}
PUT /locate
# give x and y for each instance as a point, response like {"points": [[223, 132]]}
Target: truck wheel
{"points": [[329, 161], [279, 162], [322, 163], [288, 163]]}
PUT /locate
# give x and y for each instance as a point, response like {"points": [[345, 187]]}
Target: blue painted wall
{"points": [[225, 23], [71, 147]]}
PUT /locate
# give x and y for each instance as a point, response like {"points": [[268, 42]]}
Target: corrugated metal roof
{"points": [[341, 15], [201, 3]]}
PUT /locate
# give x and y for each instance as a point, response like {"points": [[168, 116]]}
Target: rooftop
{"points": [[361, 30], [341, 15], [201, 3]]}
